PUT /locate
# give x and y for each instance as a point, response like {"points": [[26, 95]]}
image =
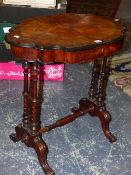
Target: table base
{"points": [[30, 131]]}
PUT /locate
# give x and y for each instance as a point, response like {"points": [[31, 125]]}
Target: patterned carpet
{"points": [[121, 72]]}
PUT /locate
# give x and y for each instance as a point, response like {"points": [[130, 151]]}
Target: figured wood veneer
{"points": [[70, 38]]}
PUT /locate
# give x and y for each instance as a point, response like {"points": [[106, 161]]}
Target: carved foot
{"points": [[88, 106], [110, 136], [35, 142], [15, 137], [42, 150], [105, 119]]}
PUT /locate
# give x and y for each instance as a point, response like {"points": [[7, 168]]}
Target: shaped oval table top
{"points": [[63, 37]]}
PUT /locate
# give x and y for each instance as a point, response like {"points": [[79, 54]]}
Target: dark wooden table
{"points": [[70, 38]]}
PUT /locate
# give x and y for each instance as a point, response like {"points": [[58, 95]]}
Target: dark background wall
{"points": [[16, 14]]}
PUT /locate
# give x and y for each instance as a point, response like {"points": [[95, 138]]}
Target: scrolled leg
{"points": [[100, 107], [105, 119], [94, 105], [28, 131], [42, 150]]}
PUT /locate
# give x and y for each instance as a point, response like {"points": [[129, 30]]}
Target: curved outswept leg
{"points": [[101, 113], [95, 103], [35, 142], [105, 119], [28, 131], [42, 150]]}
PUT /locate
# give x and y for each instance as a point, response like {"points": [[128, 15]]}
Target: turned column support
{"points": [[94, 81], [35, 123], [26, 107], [102, 83]]}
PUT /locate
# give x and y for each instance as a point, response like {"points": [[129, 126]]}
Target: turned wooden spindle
{"points": [[26, 116], [34, 98], [102, 83], [94, 81]]}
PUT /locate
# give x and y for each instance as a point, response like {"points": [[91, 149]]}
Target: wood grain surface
{"points": [[67, 32]]}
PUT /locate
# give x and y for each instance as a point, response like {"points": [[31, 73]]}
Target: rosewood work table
{"points": [[69, 38]]}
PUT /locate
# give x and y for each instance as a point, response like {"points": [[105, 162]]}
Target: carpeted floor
{"points": [[121, 72], [78, 148]]}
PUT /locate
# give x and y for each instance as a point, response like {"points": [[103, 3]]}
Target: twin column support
{"points": [[30, 131]]}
